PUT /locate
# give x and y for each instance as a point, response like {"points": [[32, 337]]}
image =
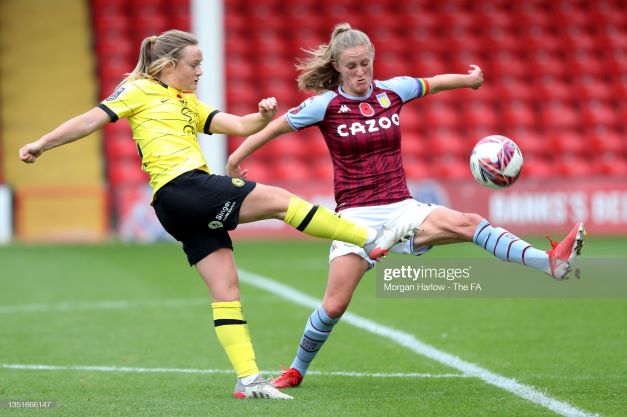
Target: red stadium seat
{"points": [[610, 164], [235, 24], [258, 170], [342, 8], [322, 169], [574, 38], [292, 170], [238, 69], [479, 113], [411, 119], [413, 144], [500, 40], [542, 63], [423, 36], [149, 25], [531, 143], [116, 148], [507, 64], [147, 7], [236, 44], [446, 143], [615, 62], [416, 168], [125, 172], [241, 94], [598, 113], [536, 37], [514, 88], [439, 114], [558, 114], [567, 142], [388, 65], [426, 63], [613, 36], [535, 167], [584, 63], [109, 7], [549, 88], [577, 166], [606, 141], [451, 168], [312, 142], [518, 113]]}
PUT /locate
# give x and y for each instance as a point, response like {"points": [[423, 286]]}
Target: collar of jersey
{"points": [[164, 85], [341, 91]]}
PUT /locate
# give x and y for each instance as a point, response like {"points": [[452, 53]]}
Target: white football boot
{"points": [[259, 388], [390, 235]]}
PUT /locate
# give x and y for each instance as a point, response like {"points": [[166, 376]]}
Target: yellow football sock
{"points": [[233, 334], [321, 222]]}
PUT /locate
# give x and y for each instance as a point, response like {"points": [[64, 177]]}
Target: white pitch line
{"points": [[412, 343], [103, 305], [217, 371]]}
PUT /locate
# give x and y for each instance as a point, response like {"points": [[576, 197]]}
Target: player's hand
{"points": [[268, 108], [235, 171], [30, 152], [476, 77]]}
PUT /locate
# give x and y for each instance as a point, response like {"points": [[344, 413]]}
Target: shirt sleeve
{"points": [[124, 102], [408, 88], [205, 116], [310, 111]]}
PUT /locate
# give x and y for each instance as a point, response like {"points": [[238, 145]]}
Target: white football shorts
{"points": [[376, 217]]}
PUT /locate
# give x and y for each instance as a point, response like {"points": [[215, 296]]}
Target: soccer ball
{"points": [[496, 161]]}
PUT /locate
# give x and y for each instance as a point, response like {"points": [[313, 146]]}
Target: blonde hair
{"points": [[156, 52], [317, 72]]}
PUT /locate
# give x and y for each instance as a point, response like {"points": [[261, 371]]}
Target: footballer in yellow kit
{"points": [[168, 146]]}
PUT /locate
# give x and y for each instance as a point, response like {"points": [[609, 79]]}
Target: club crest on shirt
{"points": [[238, 182], [115, 94], [384, 100], [215, 224], [366, 109]]}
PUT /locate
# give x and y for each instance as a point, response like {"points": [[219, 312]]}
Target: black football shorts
{"points": [[198, 209]]}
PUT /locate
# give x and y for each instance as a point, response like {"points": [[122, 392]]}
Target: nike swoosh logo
{"points": [[163, 100]]}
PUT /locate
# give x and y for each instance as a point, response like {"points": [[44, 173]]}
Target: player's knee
{"points": [[335, 308], [472, 220]]}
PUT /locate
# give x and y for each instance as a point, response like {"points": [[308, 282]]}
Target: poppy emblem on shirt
{"points": [[384, 100], [366, 109]]}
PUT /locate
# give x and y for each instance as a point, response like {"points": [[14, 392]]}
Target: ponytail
{"points": [[156, 52]]}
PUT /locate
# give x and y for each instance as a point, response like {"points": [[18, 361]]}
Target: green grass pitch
{"points": [[140, 306]]}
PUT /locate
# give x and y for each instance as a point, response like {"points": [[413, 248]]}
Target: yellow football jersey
{"points": [[165, 123]]}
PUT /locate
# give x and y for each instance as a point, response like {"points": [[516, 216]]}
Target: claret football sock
{"points": [[321, 222], [508, 247]]}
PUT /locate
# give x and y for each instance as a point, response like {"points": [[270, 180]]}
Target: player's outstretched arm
{"points": [[444, 82], [76, 128], [276, 128], [230, 124]]}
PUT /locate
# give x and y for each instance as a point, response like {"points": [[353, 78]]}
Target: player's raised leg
{"points": [[445, 226], [266, 202]]}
